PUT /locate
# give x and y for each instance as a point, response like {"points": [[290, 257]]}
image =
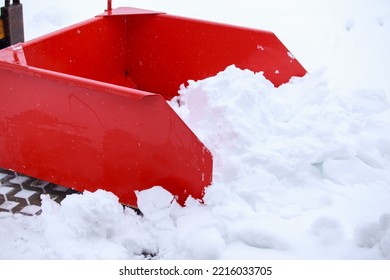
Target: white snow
{"points": [[25, 194], [300, 172]]}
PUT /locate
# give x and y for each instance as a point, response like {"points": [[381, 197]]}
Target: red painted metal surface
{"points": [[85, 107]]}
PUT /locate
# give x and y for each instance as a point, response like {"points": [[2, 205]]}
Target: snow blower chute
{"points": [[85, 107]]}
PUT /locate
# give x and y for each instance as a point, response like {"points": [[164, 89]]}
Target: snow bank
{"points": [[289, 152], [300, 171]]}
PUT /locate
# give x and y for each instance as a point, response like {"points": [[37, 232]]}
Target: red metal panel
{"points": [[166, 51], [158, 52], [93, 49], [82, 108], [89, 135]]}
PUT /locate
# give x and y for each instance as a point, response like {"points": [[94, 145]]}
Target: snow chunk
{"points": [[328, 230], [154, 200], [375, 234], [201, 244], [93, 225], [257, 235], [347, 171]]}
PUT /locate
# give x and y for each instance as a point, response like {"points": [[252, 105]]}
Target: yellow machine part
{"points": [[2, 35]]}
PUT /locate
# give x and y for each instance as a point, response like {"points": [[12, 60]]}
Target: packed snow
{"points": [[301, 171]]}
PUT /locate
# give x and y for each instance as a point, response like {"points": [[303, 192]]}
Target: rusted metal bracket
{"points": [[11, 24]]}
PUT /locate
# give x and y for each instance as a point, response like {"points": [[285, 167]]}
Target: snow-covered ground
{"points": [[301, 171]]}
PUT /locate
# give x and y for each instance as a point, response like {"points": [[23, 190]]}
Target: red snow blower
{"points": [[86, 107]]}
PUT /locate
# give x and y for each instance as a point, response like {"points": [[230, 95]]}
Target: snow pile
{"points": [[96, 226], [300, 172], [289, 152], [302, 132], [91, 226], [375, 234]]}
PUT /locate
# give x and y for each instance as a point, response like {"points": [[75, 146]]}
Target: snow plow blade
{"points": [[85, 107]]}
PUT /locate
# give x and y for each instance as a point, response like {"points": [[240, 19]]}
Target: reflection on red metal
{"points": [[85, 107]]}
